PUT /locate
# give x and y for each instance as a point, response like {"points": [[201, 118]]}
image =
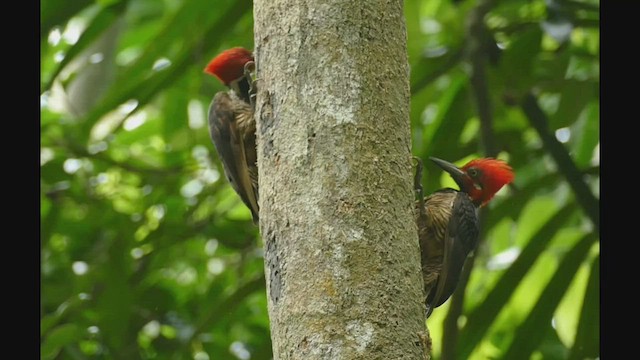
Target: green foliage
{"points": [[148, 253]]}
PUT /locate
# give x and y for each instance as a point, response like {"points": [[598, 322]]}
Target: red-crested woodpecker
{"points": [[231, 123], [448, 223]]}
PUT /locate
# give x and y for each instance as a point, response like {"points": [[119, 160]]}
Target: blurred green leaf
{"points": [[574, 96], [59, 337], [480, 318], [428, 70], [143, 88], [114, 304], [67, 307], [587, 342], [105, 18], [57, 12], [174, 131], [412, 15], [519, 199], [446, 126], [140, 134], [45, 206], [531, 332], [536, 214], [567, 314], [516, 63], [586, 134]]}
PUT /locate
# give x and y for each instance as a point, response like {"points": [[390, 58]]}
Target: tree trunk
{"points": [[335, 177]]}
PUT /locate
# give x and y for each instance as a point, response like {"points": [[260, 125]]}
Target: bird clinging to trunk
{"points": [[448, 223], [231, 123]]}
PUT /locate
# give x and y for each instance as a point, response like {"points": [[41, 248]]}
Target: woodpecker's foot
{"points": [[424, 341], [428, 310], [252, 101], [249, 68], [417, 185], [417, 180]]}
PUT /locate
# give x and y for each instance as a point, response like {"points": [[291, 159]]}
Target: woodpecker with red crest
{"points": [[448, 223], [231, 123]]}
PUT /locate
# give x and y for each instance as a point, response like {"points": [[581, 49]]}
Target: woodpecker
{"points": [[448, 223], [231, 123]]}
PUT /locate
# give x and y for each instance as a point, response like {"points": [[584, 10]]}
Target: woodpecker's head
{"points": [[480, 178], [228, 66]]}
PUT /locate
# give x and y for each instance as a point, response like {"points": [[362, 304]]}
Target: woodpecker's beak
{"points": [[459, 176]]}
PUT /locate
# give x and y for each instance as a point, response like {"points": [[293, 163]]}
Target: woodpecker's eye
{"points": [[473, 172]]}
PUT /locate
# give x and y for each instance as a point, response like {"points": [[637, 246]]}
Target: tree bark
{"points": [[335, 176]]}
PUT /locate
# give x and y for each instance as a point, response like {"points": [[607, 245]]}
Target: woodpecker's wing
{"points": [[460, 240], [232, 131]]}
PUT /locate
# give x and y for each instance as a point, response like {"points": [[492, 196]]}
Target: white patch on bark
{"points": [[343, 113], [297, 144], [355, 235], [343, 108], [323, 350], [338, 252], [340, 272], [342, 169], [360, 333]]}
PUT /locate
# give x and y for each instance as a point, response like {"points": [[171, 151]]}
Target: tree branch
{"points": [[584, 196]]}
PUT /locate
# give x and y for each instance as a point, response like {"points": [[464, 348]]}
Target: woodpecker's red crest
{"points": [[229, 64], [480, 178]]}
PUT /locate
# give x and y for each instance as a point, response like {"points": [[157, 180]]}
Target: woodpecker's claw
{"points": [[428, 310], [250, 67], [417, 183]]}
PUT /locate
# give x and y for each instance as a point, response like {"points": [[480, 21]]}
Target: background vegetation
{"points": [[148, 253]]}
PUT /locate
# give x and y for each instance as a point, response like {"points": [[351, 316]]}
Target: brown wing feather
{"points": [[460, 240], [447, 233], [232, 131]]}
